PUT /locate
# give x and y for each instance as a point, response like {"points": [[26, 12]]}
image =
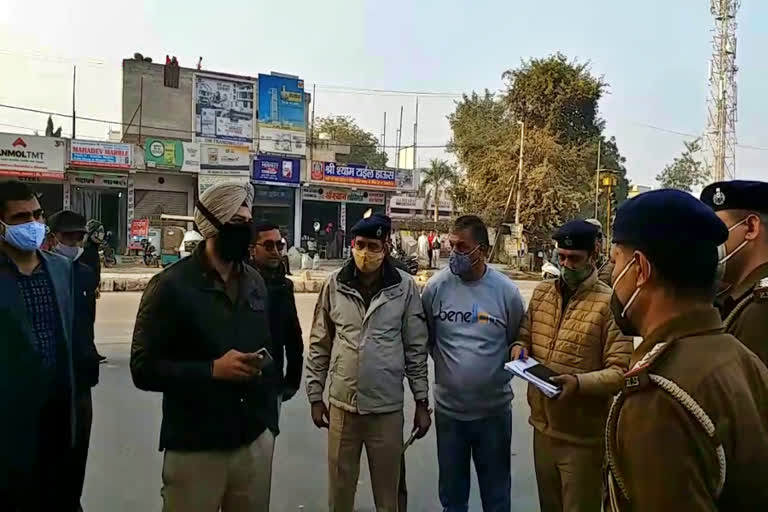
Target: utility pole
{"points": [[509, 199], [518, 227], [720, 137], [415, 136], [141, 103], [74, 86], [312, 128], [597, 177], [399, 138], [384, 135]]}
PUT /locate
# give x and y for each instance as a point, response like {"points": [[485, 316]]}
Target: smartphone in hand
{"points": [[265, 360]]}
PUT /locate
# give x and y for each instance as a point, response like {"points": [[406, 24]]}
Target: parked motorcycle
{"points": [[406, 263], [549, 271], [106, 252], [150, 256]]}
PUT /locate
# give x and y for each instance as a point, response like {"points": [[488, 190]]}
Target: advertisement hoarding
{"points": [[282, 126], [224, 110], [204, 182], [101, 155], [342, 195], [29, 156], [274, 170], [225, 160], [172, 155], [352, 174]]}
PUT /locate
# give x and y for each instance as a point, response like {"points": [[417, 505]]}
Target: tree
{"points": [[363, 145], [438, 178], [49, 131], [685, 172]]}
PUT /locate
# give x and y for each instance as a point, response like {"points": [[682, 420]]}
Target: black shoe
{"points": [[102, 359]]}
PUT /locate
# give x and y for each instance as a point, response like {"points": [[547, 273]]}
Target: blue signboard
{"points": [[282, 124], [276, 170]]}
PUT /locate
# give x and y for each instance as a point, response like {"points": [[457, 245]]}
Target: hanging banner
{"points": [[105, 155], [29, 156], [172, 155], [191, 160], [352, 174], [274, 170], [282, 125], [224, 110], [225, 160]]}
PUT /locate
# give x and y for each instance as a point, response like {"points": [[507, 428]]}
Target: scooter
{"points": [[549, 271]]}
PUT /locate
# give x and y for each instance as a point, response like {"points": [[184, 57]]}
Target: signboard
{"points": [[204, 182], [342, 195], [86, 179], [225, 160], [224, 110], [282, 126], [404, 179], [352, 174], [274, 170], [102, 155], [140, 227], [417, 203], [32, 157], [172, 155]]}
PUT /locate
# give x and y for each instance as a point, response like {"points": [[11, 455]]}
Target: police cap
{"points": [[376, 226], [736, 195], [578, 235], [67, 221], [667, 218]]}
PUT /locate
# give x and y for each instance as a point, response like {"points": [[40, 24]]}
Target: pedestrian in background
{"points": [[199, 338], [602, 263], [743, 260], [689, 431], [430, 247], [37, 378], [368, 331], [423, 248], [570, 330], [266, 247], [69, 231], [473, 313], [434, 246]]}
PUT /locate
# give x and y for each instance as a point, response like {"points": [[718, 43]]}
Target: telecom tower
{"points": [[720, 137]]}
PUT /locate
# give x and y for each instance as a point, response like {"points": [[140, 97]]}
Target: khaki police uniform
{"points": [[689, 431], [745, 311]]}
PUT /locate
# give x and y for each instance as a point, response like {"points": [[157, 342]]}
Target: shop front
{"points": [[37, 161], [275, 181], [168, 182]]}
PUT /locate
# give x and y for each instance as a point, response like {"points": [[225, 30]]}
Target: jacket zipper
{"points": [[562, 313]]}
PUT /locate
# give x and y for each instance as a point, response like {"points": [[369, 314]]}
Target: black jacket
{"points": [[285, 327], [186, 321], [90, 258], [85, 356]]}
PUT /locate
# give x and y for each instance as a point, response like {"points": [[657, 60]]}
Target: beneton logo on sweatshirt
{"points": [[467, 317]]}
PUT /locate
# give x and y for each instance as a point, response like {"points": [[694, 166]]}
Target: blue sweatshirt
{"points": [[471, 325]]}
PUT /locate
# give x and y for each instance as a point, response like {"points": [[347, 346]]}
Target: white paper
{"points": [[517, 369]]}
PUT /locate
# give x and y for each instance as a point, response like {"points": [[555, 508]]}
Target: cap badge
{"points": [[568, 242], [719, 198], [378, 231]]}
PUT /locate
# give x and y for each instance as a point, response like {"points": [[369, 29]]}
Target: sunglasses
{"points": [[271, 245]]}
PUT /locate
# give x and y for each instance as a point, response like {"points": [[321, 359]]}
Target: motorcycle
{"points": [[549, 271], [150, 256], [106, 252], [407, 263]]}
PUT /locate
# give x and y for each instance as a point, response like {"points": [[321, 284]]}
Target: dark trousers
{"points": [[487, 442], [79, 457]]}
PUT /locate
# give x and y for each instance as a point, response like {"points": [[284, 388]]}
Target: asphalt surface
{"points": [[124, 463]]}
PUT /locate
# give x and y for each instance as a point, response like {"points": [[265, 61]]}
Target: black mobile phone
{"points": [[543, 373], [265, 360]]}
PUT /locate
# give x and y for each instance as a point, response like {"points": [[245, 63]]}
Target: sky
{"points": [[654, 55]]}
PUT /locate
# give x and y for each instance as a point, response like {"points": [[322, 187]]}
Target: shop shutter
{"points": [[151, 203]]}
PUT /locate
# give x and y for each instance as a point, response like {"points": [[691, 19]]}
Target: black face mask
{"points": [[233, 239]]}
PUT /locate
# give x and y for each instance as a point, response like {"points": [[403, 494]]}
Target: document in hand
{"points": [[530, 370]]}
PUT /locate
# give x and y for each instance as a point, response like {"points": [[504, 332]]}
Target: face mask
{"points": [[460, 263], [367, 261], [573, 278], [233, 241], [722, 252], [25, 237], [69, 251], [619, 310]]}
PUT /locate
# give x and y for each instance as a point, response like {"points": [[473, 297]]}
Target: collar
{"points": [[389, 274], [749, 282], [276, 274], [209, 273], [6, 261], [701, 320]]}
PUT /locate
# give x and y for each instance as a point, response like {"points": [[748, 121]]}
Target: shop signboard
{"points": [[224, 110], [352, 174], [100, 155], [87, 179], [417, 203], [28, 156], [225, 160], [173, 155], [274, 170], [205, 181], [282, 125], [404, 179], [343, 195], [140, 227]]}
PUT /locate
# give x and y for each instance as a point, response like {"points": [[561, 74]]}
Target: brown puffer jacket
{"points": [[583, 340]]}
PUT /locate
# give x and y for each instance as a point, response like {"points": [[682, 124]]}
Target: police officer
{"points": [[743, 260], [694, 406]]}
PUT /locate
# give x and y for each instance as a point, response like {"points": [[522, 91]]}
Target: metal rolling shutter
{"points": [[151, 203]]}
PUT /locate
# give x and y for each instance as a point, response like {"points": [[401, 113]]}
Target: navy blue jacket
{"points": [[85, 357]]}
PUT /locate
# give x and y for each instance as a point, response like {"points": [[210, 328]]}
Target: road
{"points": [[124, 464]]}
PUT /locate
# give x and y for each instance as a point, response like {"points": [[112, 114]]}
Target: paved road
{"points": [[124, 464]]}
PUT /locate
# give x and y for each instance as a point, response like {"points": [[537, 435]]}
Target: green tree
{"points": [[437, 179], [49, 131], [364, 147], [686, 171]]}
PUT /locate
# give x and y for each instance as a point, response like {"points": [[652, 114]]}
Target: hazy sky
{"points": [[654, 54]]}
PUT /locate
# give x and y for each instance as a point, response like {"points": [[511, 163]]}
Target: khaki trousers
{"points": [[382, 436], [569, 476], [234, 480]]}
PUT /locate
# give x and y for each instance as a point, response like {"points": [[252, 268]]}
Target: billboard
{"points": [[341, 195], [100, 155], [282, 126], [275, 170], [29, 156], [224, 110], [352, 174], [173, 155], [225, 160]]}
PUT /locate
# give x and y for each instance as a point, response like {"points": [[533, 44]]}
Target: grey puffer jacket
{"points": [[368, 352]]}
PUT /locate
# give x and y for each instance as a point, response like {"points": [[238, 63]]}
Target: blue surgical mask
{"points": [[25, 237], [461, 263]]}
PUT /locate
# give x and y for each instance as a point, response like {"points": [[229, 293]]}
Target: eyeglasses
{"points": [[271, 245], [372, 245]]}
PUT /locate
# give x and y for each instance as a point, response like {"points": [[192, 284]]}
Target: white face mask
{"points": [[69, 251], [722, 252]]}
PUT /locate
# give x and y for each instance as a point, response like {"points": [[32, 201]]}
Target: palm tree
{"points": [[435, 180]]}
